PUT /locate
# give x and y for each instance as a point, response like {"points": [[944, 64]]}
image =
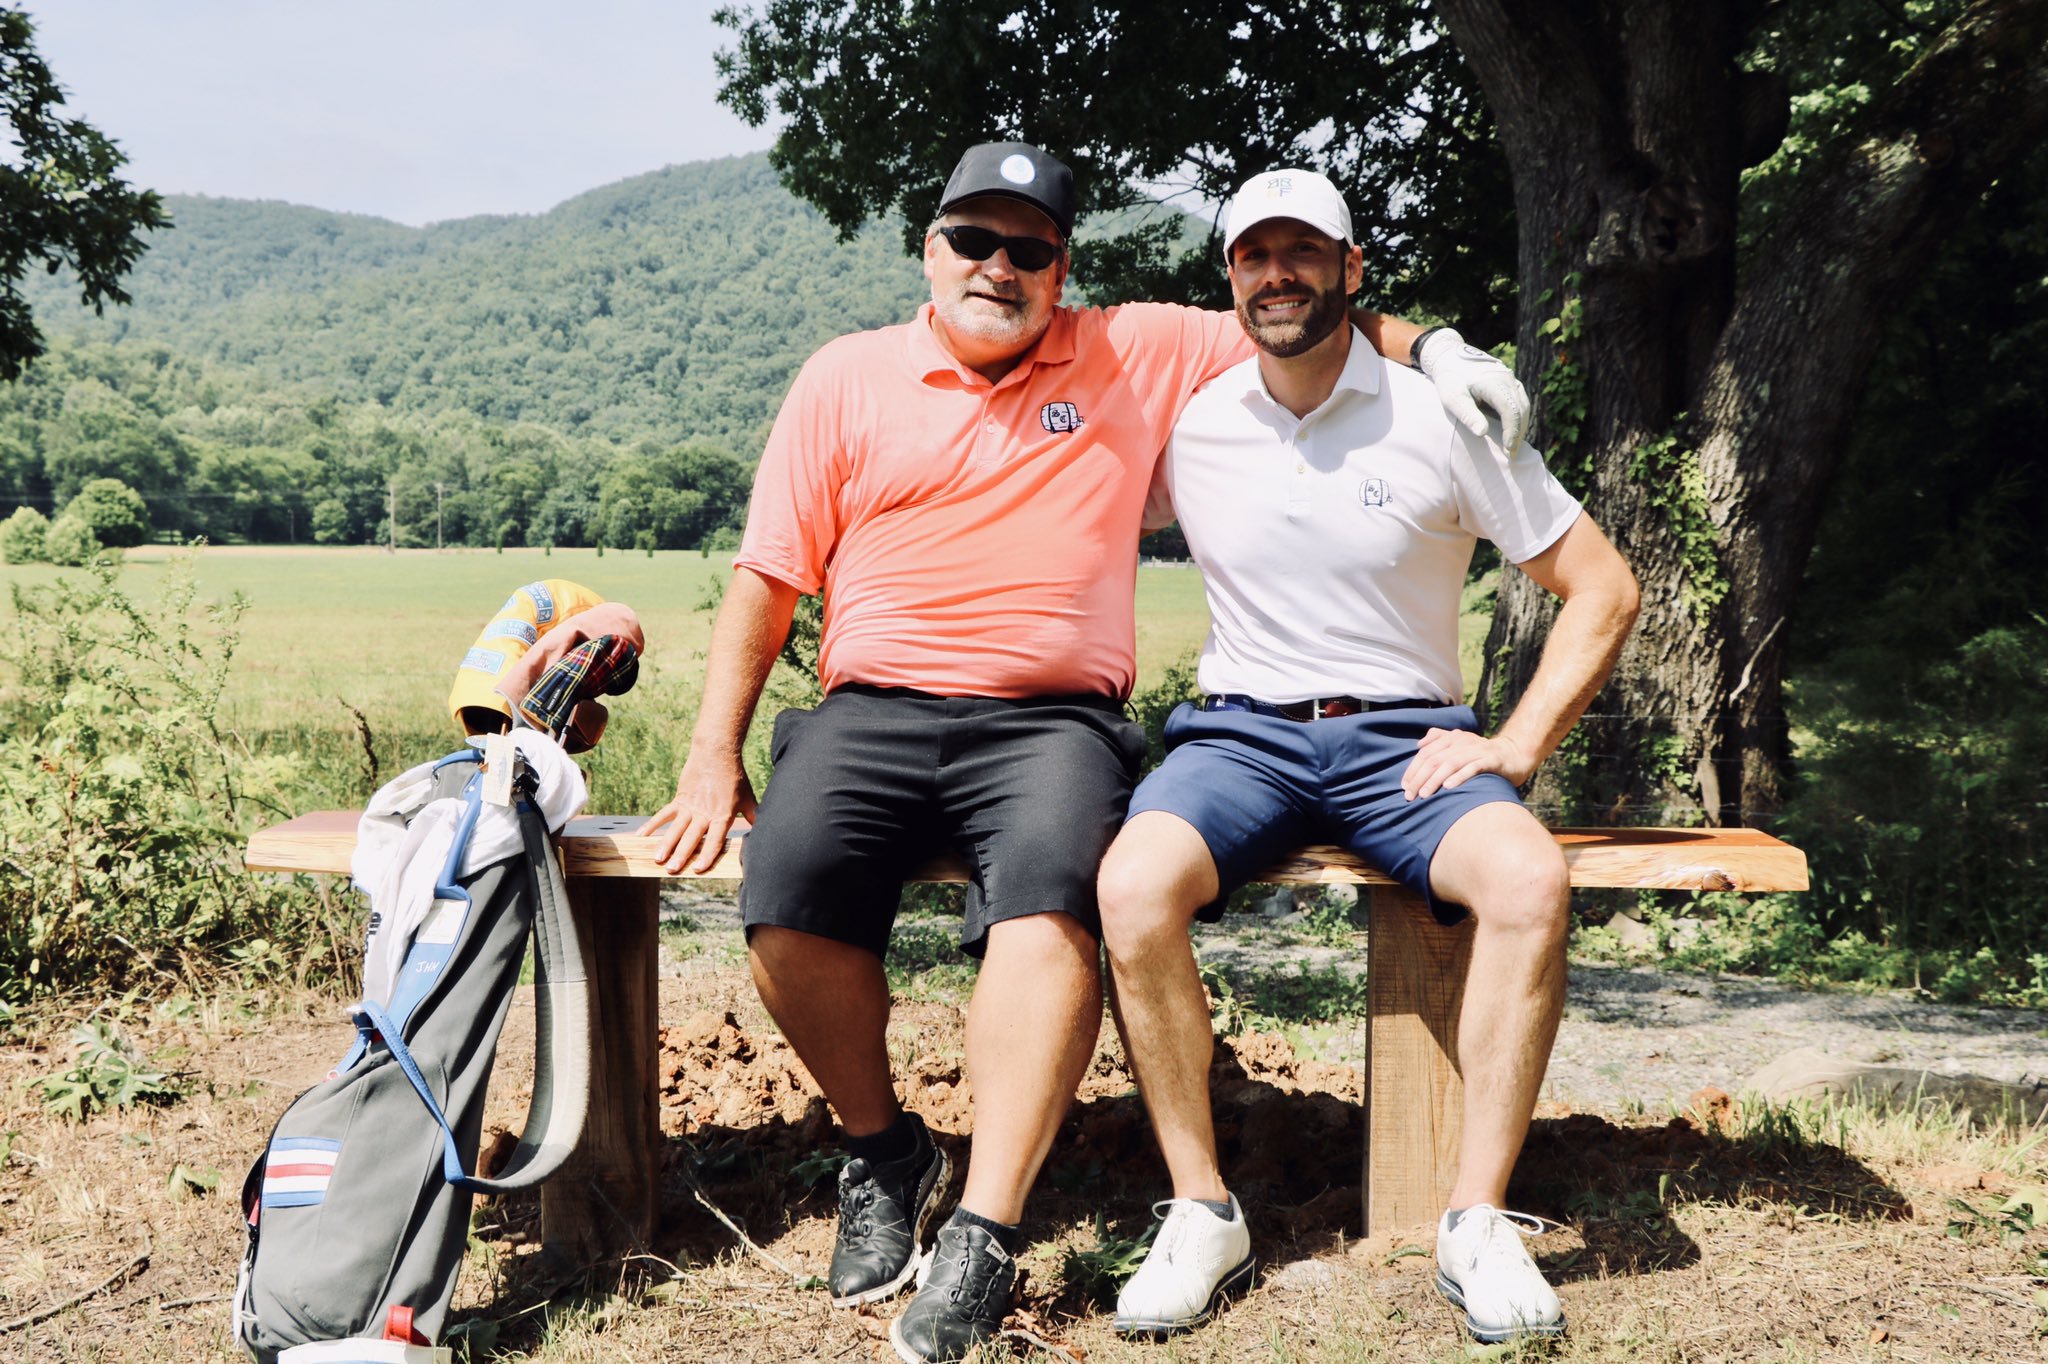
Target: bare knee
{"points": [[1043, 943], [1140, 914], [1527, 892], [1154, 878], [790, 954]]}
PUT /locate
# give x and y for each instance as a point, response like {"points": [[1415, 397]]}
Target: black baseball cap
{"points": [[1014, 170]]}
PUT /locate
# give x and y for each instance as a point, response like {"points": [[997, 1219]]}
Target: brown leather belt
{"points": [[1322, 708]]}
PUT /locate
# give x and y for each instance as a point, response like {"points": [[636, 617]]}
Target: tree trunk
{"points": [[1714, 411]]}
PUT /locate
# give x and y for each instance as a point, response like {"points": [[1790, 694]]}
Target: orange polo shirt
{"points": [[975, 539]]}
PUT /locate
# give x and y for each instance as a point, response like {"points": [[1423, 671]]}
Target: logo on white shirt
{"points": [[1059, 418], [1374, 492]]}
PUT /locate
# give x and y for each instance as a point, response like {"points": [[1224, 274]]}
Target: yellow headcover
{"points": [[527, 614]]}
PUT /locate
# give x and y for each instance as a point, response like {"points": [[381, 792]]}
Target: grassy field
{"points": [[332, 632]]}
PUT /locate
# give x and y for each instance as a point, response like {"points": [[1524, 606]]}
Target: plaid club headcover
{"points": [[608, 665]]}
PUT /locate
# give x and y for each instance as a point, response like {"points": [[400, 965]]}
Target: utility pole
{"points": [[391, 512], [438, 490]]}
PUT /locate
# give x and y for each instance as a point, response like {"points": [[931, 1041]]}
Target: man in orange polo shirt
{"points": [[966, 491]]}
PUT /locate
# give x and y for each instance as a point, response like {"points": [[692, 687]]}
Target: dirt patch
{"points": [[1689, 1239]]}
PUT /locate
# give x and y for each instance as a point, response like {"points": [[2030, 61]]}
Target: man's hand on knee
{"points": [[1448, 758], [710, 795]]}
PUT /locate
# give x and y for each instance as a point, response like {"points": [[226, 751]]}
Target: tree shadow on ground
{"points": [[1290, 1135], [1617, 1184]]}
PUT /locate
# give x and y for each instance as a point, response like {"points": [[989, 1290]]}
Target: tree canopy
{"points": [[62, 205]]}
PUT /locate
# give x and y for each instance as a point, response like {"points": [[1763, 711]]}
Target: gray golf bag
{"points": [[358, 1210]]}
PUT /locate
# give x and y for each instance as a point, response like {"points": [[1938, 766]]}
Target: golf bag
{"points": [[358, 1210]]}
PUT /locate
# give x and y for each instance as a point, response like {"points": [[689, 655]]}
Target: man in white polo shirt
{"points": [[1333, 508]]}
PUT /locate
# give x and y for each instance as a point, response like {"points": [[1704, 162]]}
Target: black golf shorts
{"points": [[876, 780]]}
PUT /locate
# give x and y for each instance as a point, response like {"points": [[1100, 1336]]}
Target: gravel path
{"points": [[1635, 1034]]}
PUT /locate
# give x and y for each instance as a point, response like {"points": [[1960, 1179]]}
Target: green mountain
{"points": [[671, 306]]}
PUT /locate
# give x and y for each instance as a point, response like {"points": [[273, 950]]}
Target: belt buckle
{"points": [[1334, 707]]}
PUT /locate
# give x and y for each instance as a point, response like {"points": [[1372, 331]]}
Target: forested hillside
{"points": [[675, 305], [602, 373]]}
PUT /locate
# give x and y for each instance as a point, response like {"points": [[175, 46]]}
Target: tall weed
{"points": [[123, 801]]}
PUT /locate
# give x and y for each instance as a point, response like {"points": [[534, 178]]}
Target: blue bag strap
{"points": [[424, 962], [371, 1019], [445, 888]]}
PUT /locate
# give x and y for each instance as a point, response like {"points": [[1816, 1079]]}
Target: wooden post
{"points": [[602, 1202], [1414, 1096]]}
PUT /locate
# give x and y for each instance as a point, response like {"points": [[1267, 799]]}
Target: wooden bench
{"points": [[604, 1201]]}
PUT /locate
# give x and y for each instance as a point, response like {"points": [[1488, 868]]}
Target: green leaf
{"points": [[187, 1182]]}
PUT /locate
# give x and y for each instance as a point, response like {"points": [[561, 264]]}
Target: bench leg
{"points": [[1414, 1096], [601, 1204]]}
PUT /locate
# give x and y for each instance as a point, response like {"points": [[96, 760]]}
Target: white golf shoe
{"points": [[1196, 1260], [1483, 1267]]}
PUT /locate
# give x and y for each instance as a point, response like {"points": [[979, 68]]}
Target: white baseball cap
{"points": [[1301, 195]]}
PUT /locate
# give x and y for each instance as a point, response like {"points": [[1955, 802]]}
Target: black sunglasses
{"points": [[979, 243]]}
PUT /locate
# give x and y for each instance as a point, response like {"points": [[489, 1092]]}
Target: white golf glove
{"points": [[1468, 379]]}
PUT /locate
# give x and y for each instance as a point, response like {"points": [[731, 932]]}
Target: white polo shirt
{"points": [[1333, 548]]}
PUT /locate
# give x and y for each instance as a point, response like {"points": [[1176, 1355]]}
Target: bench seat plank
{"points": [[1666, 859]]}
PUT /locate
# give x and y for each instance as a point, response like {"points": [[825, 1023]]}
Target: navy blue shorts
{"points": [[1256, 787], [875, 781]]}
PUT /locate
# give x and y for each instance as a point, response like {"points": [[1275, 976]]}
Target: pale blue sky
{"points": [[415, 110]]}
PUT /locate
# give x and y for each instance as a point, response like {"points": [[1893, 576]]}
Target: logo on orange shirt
{"points": [[1060, 417]]}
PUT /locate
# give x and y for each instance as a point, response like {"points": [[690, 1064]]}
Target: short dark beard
{"points": [[1326, 311]]}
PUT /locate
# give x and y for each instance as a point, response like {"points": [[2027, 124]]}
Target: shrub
{"points": [[122, 800], [70, 541], [24, 537], [1923, 809], [114, 512], [330, 521]]}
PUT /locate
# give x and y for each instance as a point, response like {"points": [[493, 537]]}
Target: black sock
{"points": [[897, 1141], [1005, 1234], [1222, 1210]]}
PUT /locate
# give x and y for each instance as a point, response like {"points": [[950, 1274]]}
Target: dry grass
{"points": [[1780, 1235]]}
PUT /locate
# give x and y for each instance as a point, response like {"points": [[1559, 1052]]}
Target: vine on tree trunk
{"points": [[1564, 386], [1674, 487]]}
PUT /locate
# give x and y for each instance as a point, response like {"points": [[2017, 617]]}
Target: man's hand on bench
{"points": [[710, 794]]}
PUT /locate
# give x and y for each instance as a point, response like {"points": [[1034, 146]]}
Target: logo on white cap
{"points": [[1017, 169], [1279, 186]]}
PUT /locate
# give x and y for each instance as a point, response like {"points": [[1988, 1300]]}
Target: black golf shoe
{"points": [[883, 1212], [962, 1300]]}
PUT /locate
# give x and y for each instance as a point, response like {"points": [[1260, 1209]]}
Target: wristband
{"points": [[1415, 347]]}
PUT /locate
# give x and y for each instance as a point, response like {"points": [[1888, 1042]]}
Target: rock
{"points": [[1810, 1073], [1637, 936], [1633, 934], [702, 1029], [1302, 1276], [1711, 1109]]}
